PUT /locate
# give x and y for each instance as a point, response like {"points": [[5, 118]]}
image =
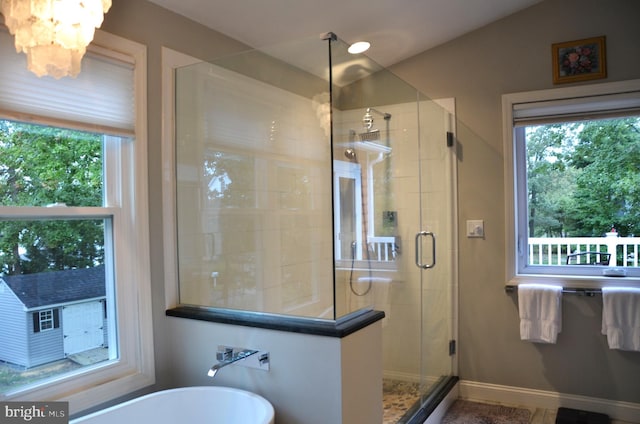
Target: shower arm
{"points": [[384, 115], [367, 120]]}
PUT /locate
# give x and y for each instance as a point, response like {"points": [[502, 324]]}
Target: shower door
{"points": [[396, 252], [394, 232], [437, 217], [419, 200]]}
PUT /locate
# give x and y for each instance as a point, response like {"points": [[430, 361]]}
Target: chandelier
{"points": [[54, 34]]}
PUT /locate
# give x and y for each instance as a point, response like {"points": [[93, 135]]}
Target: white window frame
{"points": [[45, 320], [516, 208], [349, 171], [134, 368]]}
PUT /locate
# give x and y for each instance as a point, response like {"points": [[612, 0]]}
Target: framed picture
{"points": [[579, 60]]}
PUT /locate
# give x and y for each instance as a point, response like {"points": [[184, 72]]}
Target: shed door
{"points": [[82, 327]]}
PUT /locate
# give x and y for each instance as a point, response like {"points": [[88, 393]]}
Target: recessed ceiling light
{"points": [[359, 47]]}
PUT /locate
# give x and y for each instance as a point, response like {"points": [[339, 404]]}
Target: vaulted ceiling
{"points": [[396, 29]]}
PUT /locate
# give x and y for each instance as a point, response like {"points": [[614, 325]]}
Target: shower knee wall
{"points": [[313, 379]]}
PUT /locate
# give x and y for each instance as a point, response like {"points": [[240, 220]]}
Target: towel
{"points": [[621, 317], [540, 308]]}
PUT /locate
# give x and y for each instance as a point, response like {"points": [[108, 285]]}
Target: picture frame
{"points": [[579, 60]]}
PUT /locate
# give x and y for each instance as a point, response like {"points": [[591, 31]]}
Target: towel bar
{"points": [[569, 290]]}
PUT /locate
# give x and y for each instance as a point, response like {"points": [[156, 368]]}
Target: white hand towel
{"points": [[621, 317], [540, 308]]}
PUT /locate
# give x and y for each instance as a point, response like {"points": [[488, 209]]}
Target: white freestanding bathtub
{"points": [[215, 405]]}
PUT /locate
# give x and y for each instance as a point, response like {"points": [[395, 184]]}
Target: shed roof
{"points": [[57, 287]]}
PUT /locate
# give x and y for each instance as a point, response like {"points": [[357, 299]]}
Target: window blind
{"points": [[577, 108], [100, 98]]}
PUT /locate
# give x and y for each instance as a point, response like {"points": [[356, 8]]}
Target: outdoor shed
{"points": [[52, 315]]}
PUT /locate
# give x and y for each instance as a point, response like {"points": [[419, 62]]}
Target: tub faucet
{"points": [[230, 355]]}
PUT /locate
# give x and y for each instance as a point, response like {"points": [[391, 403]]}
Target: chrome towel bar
{"points": [[513, 288]]}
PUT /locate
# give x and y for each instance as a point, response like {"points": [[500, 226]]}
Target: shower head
{"points": [[371, 134]]}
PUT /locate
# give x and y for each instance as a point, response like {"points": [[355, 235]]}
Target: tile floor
{"points": [[399, 396], [548, 416]]}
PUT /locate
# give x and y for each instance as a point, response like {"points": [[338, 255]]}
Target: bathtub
{"points": [[215, 405]]}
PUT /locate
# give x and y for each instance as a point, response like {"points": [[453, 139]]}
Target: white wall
{"points": [[312, 380], [514, 55]]}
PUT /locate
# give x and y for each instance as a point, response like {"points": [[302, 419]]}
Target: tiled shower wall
{"points": [[255, 218]]}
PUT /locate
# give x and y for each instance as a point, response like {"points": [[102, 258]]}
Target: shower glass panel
{"points": [[437, 214], [305, 178], [254, 198], [398, 138]]}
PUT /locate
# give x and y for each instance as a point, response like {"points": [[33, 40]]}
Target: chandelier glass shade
{"points": [[54, 34]]}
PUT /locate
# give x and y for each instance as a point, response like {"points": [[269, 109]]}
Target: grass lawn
{"points": [[13, 377]]}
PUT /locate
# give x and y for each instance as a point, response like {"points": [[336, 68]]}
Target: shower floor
{"points": [[398, 397]]}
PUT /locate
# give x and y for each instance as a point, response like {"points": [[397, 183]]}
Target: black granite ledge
{"points": [[340, 328]]}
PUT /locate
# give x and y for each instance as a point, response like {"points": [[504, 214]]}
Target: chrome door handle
{"points": [[419, 263]]}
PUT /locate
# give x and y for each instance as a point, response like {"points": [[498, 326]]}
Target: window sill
{"points": [[575, 281]]}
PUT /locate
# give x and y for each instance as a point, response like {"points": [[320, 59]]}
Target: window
{"points": [[74, 254], [347, 211], [365, 229], [572, 166], [45, 320]]}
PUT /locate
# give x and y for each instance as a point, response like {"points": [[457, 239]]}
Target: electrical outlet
{"points": [[475, 228]]}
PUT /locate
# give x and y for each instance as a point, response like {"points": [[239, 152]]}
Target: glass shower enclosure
{"points": [[315, 183]]}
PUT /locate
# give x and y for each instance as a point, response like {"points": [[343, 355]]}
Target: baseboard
{"points": [[472, 390]]}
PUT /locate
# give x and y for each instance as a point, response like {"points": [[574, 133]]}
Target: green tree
{"points": [[549, 179], [41, 166], [607, 191]]}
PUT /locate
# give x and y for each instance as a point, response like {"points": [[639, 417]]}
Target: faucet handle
{"points": [[250, 358], [263, 360], [224, 353]]}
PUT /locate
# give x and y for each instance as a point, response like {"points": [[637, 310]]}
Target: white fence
{"points": [[383, 249], [624, 251], [554, 251]]}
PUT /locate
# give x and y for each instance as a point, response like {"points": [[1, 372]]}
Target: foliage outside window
{"points": [[74, 259], [59, 170], [583, 178], [576, 179], [49, 167]]}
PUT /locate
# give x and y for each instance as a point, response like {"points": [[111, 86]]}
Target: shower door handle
{"points": [[419, 236]]}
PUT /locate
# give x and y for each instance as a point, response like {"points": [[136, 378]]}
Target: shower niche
{"points": [[314, 184]]}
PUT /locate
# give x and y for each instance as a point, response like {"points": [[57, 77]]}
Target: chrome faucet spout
{"points": [[229, 356]]}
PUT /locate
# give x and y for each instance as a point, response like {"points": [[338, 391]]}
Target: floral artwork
{"points": [[579, 60]]}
